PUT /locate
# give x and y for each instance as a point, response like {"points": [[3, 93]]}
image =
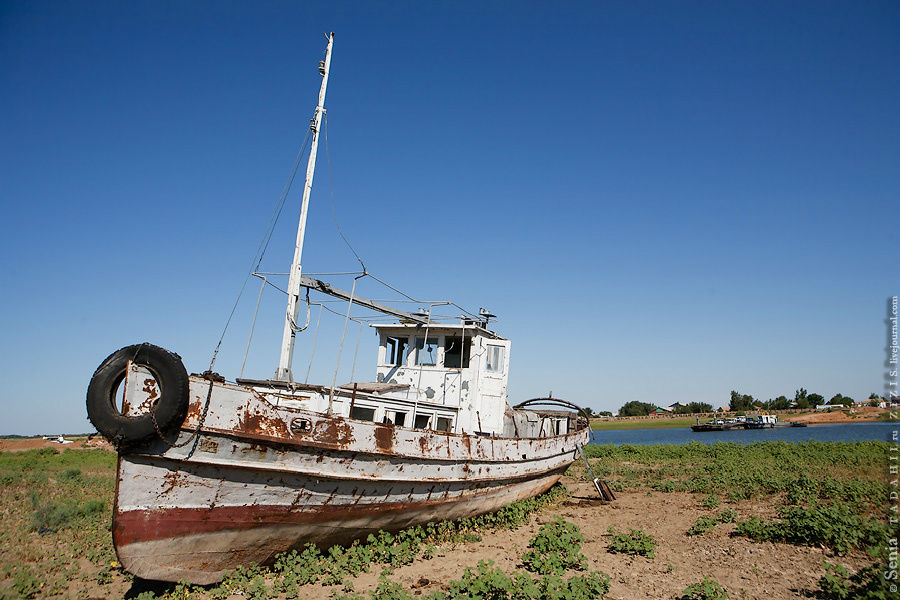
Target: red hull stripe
{"points": [[166, 523]]}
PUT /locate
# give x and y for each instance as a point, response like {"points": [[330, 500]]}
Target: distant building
{"points": [[657, 413]]}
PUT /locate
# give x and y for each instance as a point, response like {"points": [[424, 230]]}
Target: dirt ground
{"points": [[747, 569], [853, 415], [744, 568], [78, 442]]}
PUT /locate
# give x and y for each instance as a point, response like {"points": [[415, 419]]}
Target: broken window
{"points": [[395, 350], [456, 352], [426, 352], [395, 417], [444, 423], [422, 421], [494, 359], [362, 413]]}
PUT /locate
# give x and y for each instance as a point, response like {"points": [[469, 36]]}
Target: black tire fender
{"points": [[168, 411]]}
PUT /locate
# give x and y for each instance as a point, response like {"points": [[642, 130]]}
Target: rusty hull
{"points": [[259, 479]]}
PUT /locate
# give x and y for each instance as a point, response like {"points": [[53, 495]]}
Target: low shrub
{"points": [[868, 583], [555, 549], [710, 502], [702, 526], [334, 567], [708, 589], [635, 542], [835, 525]]}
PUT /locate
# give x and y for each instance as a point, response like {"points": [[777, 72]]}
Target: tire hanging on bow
{"points": [[166, 412]]}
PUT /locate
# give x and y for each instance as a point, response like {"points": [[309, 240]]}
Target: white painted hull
{"points": [[261, 479]]}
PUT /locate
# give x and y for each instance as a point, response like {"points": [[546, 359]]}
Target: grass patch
{"points": [[53, 515], [852, 471], [553, 551]]}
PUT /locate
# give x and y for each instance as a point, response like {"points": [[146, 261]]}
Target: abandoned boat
{"points": [[213, 474]]}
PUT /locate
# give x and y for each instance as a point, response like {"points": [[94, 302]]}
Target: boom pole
{"points": [[290, 322]]}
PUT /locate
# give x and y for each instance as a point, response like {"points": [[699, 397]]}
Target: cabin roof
{"points": [[442, 327]]}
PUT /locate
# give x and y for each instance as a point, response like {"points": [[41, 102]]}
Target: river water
{"points": [[844, 432]]}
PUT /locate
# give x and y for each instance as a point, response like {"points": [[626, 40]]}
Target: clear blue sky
{"points": [[662, 201]]}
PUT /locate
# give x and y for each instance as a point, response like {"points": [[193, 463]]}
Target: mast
{"points": [[287, 340]]}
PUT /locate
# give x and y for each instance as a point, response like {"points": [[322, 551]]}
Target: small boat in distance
{"points": [[214, 474]]}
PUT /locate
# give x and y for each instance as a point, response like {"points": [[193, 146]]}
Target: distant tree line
{"points": [[745, 402], [693, 407], [642, 409], [802, 400]]}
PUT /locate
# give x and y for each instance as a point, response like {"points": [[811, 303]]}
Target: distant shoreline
{"points": [[837, 417]]}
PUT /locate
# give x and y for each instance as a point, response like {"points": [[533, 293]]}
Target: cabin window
{"points": [[395, 350], [422, 421], [395, 417], [456, 352], [426, 352], [444, 423], [495, 357], [362, 413]]}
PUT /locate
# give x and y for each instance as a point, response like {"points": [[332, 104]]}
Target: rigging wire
{"points": [[356, 353], [333, 210], [263, 246], [341, 347], [312, 352], [252, 326]]}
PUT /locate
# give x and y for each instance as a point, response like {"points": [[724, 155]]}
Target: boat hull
{"points": [[199, 543], [243, 490]]}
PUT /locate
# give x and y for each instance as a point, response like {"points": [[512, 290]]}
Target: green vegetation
{"points": [[834, 524], [693, 407], [56, 511], [56, 507], [661, 423], [487, 582], [636, 409], [850, 471], [840, 399], [705, 590], [555, 549], [869, 583], [711, 501], [635, 542], [339, 563], [704, 525], [740, 402]]}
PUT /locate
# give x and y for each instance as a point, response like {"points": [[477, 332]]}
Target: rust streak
{"points": [[384, 438], [333, 431], [171, 482], [262, 424]]}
